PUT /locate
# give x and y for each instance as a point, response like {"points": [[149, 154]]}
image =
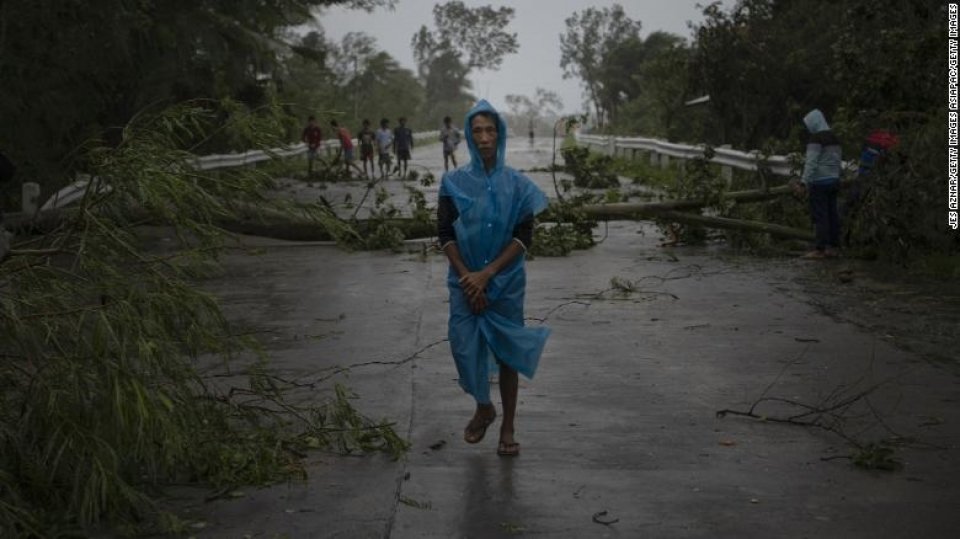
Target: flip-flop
{"points": [[478, 426], [508, 450]]}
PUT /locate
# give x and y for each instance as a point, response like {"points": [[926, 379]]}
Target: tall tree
{"points": [[529, 110], [591, 36], [647, 84], [478, 33], [464, 39]]}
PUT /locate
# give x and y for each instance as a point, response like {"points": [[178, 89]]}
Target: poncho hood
{"points": [[476, 160], [815, 121]]}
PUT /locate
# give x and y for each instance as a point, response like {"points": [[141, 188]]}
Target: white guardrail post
{"points": [[726, 171], [30, 197]]}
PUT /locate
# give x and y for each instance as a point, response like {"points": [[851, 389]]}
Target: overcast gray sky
{"points": [[538, 25]]}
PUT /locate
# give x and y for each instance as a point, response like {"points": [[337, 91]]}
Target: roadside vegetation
{"points": [[763, 64]]}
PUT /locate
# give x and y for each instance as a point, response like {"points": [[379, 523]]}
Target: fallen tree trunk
{"points": [[632, 209], [248, 220], [737, 224], [275, 224]]}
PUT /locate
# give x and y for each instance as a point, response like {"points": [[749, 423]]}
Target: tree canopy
{"points": [[463, 40], [75, 71], [592, 36]]}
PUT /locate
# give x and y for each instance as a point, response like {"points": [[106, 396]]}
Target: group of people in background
{"points": [[820, 181], [386, 143]]}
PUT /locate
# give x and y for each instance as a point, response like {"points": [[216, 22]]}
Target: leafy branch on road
{"points": [[103, 338], [833, 413]]}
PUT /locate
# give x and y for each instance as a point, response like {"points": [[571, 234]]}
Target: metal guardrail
{"points": [[211, 162], [75, 191], [727, 157], [661, 151]]}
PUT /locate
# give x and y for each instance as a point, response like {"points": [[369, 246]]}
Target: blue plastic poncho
{"points": [[490, 205]]}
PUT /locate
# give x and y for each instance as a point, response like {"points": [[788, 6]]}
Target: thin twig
{"points": [[557, 308], [34, 252]]}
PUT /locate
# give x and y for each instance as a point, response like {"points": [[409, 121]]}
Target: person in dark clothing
{"points": [[313, 136], [402, 146], [821, 180], [366, 139]]}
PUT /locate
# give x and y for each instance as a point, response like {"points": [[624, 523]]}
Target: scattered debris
{"points": [[511, 527], [415, 504], [598, 518]]}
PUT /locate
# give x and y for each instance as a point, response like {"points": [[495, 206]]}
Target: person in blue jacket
{"points": [[821, 180], [485, 215]]}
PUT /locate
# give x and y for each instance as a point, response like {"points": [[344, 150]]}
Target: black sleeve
{"points": [[524, 232], [7, 169], [446, 214]]}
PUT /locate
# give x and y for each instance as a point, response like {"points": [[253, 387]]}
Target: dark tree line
{"points": [[76, 72]]}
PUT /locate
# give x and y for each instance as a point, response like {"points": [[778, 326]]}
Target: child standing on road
{"points": [[402, 146], [366, 137], [384, 144], [450, 138], [346, 147], [313, 137]]}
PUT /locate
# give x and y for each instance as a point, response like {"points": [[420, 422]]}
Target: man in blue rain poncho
{"points": [[485, 217]]}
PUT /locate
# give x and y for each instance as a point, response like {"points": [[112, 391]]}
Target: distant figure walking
{"points": [[821, 180], [384, 146], [485, 215], [366, 138], [450, 137], [313, 137], [402, 146]]}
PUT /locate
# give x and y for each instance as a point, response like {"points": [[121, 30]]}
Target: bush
{"points": [[102, 398], [590, 171]]}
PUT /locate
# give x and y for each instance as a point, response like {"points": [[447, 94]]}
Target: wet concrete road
{"points": [[621, 416]]}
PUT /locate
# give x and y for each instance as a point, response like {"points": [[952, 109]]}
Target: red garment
{"points": [[345, 140], [313, 136], [883, 139]]}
